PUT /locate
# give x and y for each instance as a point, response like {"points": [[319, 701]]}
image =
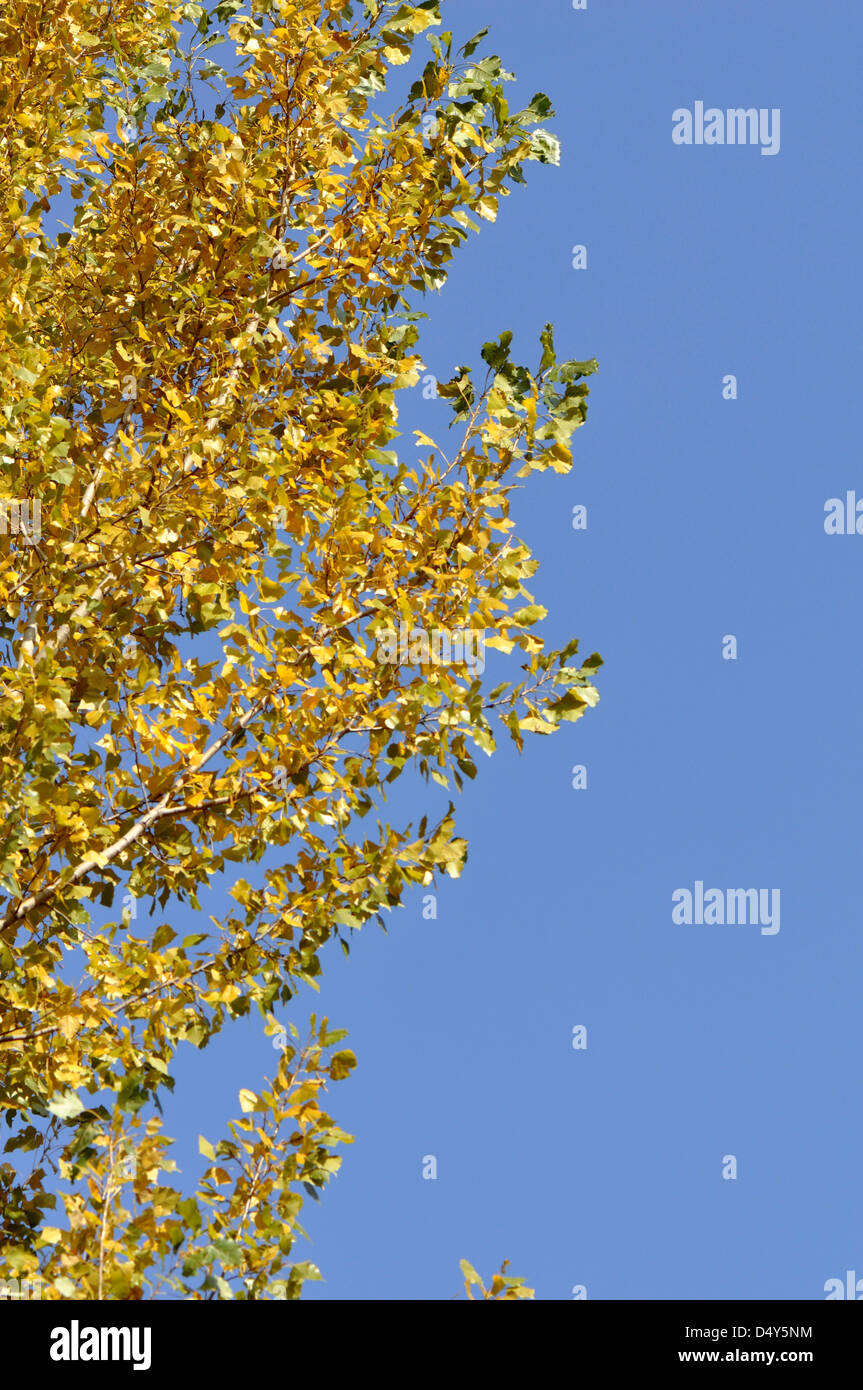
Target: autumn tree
{"points": [[211, 280]]}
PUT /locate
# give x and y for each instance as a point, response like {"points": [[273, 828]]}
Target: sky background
{"points": [[603, 1167]]}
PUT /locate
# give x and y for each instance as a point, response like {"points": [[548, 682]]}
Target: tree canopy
{"points": [[212, 272]]}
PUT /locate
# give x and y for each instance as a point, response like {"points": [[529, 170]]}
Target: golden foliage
{"points": [[200, 390]]}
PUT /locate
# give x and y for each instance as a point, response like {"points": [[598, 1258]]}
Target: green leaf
{"points": [[544, 147], [342, 1065], [570, 706], [526, 617], [538, 109], [546, 338], [67, 1107], [164, 935], [228, 1251], [345, 918], [473, 44], [496, 354]]}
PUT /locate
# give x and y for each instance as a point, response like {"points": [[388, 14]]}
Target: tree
{"points": [[231, 612]]}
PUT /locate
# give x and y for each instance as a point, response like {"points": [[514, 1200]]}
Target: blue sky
{"points": [[603, 1167]]}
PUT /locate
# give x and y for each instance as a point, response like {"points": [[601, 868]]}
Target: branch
{"points": [[162, 808]]}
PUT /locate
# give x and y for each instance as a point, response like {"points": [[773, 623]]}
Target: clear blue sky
{"points": [[603, 1167]]}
